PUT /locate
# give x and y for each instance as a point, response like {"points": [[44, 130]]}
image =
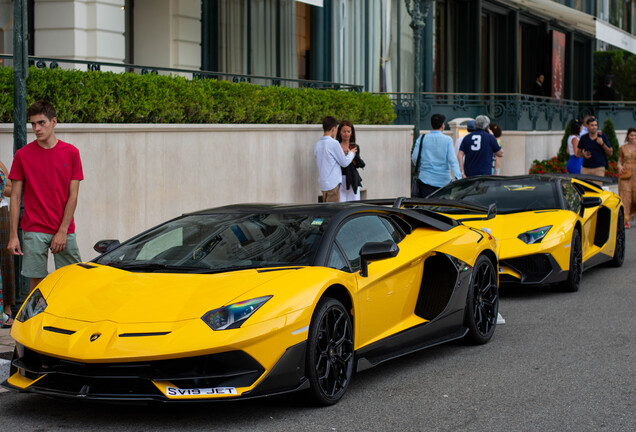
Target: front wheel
{"points": [[483, 302], [573, 282], [329, 352], [619, 245]]}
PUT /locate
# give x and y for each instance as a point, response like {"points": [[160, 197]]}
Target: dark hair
{"points": [[353, 131], [496, 129], [329, 123], [42, 107], [575, 127], [437, 121], [630, 130]]}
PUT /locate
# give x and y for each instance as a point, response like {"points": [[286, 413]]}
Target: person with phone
{"points": [[351, 180]]}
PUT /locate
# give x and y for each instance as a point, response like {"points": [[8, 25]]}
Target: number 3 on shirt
{"points": [[476, 145]]}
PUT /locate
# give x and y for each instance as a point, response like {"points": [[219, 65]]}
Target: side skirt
{"points": [[429, 334]]}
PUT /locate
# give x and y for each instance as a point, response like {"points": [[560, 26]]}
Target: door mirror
{"points": [[587, 202], [104, 246], [373, 251]]}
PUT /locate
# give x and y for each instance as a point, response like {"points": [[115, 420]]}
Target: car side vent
{"points": [[438, 282], [603, 224]]}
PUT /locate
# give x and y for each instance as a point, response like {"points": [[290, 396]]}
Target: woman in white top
{"points": [[575, 162], [6, 258]]}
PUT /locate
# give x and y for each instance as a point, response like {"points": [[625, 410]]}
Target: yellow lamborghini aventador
{"points": [[253, 300], [550, 227]]}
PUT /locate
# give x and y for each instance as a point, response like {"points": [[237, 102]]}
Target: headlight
{"points": [[234, 315], [535, 235], [33, 306]]}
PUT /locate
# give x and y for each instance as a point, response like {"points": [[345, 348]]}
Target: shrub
{"points": [[107, 97], [549, 166], [610, 132], [563, 154], [612, 169]]}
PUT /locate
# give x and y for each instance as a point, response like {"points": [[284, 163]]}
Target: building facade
{"points": [[469, 46]]}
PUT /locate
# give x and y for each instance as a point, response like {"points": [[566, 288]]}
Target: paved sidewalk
{"points": [[6, 341], [6, 348]]}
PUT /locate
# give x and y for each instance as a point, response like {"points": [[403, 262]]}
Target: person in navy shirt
{"points": [[596, 149], [477, 149]]}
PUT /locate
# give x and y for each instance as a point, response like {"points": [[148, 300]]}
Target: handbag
{"points": [[415, 171], [626, 174]]}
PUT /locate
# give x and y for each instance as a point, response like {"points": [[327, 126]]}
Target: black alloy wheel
{"points": [[483, 302], [329, 352], [573, 282], [619, 245]]}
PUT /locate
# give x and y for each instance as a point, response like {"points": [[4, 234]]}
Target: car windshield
{"points": [[510, 195], [221, 242]]}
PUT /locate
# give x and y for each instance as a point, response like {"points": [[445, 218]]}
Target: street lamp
{"points": [[418, 10], [20, 72]]}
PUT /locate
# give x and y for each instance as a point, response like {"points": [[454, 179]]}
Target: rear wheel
{"points": [[573, 282], [329, 352], [619, 245], [483, 302]]}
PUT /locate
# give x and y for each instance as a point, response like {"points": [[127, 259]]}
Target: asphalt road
{"points": [[562, 362]]}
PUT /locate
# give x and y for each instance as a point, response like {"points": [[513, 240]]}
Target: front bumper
{"points": [[533, 269], [219, 376]]}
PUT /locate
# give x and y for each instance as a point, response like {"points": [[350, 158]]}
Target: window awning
{"points": [[614, 36], [312, 2], [553, 11]]}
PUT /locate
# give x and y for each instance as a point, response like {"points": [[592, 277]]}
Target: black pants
{"points": [[424, 190]]}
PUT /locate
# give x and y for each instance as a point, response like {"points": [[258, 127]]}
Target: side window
{"points": [[161, 244], [571, 197], [337, 261], [360, 230]]}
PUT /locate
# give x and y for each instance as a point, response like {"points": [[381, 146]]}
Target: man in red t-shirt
{"points": [[46, 172]]}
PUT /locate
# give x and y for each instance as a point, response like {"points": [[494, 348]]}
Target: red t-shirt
{"points": [[46, 174]]}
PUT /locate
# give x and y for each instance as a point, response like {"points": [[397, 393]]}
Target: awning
{"points": [[553, 11], [614, 36], [312, 2]]}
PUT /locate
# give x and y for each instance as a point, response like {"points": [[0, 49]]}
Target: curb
{"points": [[4, 372]]}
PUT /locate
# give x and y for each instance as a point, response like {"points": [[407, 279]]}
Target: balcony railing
{"points": [[53, 63], [512, 111]]}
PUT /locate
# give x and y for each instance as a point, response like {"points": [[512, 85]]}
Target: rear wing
{"points": [[411, 203]]}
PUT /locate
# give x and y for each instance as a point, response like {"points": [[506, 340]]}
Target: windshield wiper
{"points": [[155, 267]]}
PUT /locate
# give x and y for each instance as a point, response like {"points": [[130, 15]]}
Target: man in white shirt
{"points": [[330, 159]]}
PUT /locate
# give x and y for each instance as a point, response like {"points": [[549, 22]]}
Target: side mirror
{"points": [[492, 211], [373, 251], [587, 202], [104, 246]]}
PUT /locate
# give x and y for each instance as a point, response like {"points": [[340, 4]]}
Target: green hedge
{"points": [[106, 97], [622, 66]]}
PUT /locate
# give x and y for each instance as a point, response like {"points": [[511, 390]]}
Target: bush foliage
{"points": [[106, 97], [621, 65]]}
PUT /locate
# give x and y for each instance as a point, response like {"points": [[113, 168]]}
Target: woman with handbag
{"points": [[351, 180], [626, 173]]}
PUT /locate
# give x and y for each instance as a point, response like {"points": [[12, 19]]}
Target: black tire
{"points": [[575, 273], [482, 306], [329, 352], [619, 245]]}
